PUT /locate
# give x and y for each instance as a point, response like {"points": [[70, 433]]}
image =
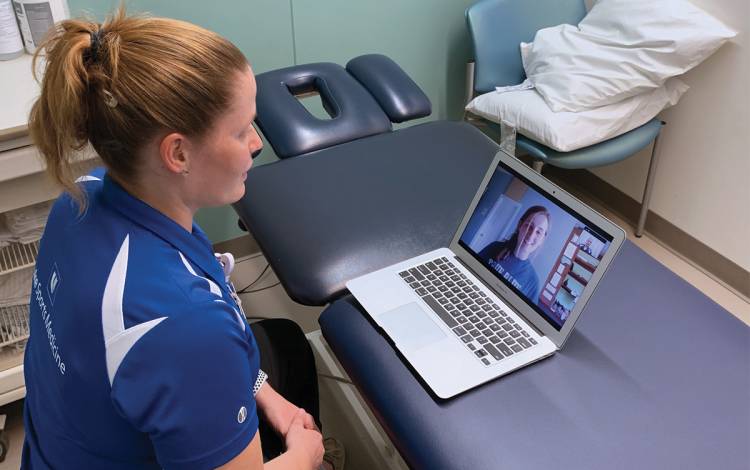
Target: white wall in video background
{"points": [[591, 245]]}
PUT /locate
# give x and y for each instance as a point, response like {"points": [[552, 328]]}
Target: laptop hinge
{"points": [[528, 323]]}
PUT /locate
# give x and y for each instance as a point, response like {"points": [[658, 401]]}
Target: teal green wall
{"points": [[262, 29], [427, 38]]}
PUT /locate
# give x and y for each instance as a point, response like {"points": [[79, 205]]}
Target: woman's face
{"points": [[223, 156], [531, 235]]}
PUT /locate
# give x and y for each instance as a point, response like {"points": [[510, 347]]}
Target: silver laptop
{"points": [[505, 293]]}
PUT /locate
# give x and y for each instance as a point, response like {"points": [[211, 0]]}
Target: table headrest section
{"points": [[292, 130], [395, 91]]}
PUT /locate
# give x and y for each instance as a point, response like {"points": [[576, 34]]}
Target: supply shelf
{"points": [[14, 331], [14, 322], [17, 256]]}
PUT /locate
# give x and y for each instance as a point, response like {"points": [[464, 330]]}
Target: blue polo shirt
{"points": [[519, 273], [138, 355]]}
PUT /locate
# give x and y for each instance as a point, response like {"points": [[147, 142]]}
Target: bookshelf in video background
{"points": [[570, 274]]}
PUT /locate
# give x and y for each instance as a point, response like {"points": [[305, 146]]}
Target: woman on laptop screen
{"points": [[510, 257]]}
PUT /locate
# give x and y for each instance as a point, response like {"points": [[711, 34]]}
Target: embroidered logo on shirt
{"points": [[54, 283], [36, 293], [242, 415]]}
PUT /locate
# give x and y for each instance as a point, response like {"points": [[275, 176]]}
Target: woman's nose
{"points": [[256, 144]]}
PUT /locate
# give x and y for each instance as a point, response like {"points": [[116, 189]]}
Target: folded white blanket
{"points": [[15, 287], [24, 225], [26, 219]]}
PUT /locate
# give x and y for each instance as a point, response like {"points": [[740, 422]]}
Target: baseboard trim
{"points": [[724, 270]]}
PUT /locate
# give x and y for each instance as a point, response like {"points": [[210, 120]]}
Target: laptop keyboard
{"points": [[480, 323]]}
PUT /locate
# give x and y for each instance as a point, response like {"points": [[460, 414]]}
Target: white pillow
{"points": [[620, 49], [566, 131]]}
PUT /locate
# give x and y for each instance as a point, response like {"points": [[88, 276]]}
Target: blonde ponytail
{"points": [[58, 118], [118, 84]]}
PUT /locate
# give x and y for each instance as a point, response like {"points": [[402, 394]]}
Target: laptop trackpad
{"points": [[410, 326]]}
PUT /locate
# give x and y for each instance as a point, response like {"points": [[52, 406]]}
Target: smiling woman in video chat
{"points": [[510, 257]]}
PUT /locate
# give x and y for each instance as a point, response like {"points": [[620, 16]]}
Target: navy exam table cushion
{"points": [[655, 376], [333, 199]]}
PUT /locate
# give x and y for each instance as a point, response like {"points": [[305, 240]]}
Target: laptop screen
{"points": [[534, 244]]}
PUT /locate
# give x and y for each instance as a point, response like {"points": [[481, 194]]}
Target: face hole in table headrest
{"points": [[313, 93], [313, 102]]}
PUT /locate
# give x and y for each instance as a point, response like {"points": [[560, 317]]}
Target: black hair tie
{"points": [[96, 42]]}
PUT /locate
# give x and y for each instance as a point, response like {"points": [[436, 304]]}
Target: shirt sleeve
{"points": [[531, 284], [188, 384], [262, 377]]}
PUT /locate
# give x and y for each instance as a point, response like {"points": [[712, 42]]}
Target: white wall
{"points": [[703, 180]]}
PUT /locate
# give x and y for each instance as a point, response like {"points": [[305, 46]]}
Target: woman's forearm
{"points": [[266, 397], [289, 460]]}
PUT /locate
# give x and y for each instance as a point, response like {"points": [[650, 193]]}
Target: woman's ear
{"points": [[174, 152]]}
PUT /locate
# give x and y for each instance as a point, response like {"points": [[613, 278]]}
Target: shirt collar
{"points": [[195, 246]]}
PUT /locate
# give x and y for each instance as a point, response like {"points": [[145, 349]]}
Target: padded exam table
{"points": [[655, 376]]}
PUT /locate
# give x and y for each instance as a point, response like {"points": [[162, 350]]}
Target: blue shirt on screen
{"points": [[519, 273], [138, 356]]}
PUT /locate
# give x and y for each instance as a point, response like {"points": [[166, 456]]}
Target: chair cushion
{"points": [[604, 153], [565, 131], [620, 49]]}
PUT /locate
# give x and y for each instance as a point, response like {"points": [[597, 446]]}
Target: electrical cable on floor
{"points": [[261, 288], [333, 377], [244, 289], [255, 318]]}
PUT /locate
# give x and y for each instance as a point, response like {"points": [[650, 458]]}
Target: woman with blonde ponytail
{"points": [[139, 354]]}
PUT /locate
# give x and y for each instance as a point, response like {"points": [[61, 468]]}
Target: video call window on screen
{"points": [[538, 248]]}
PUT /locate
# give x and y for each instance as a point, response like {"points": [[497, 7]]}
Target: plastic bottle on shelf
{"points": [[11, 45], [36, 17]]}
